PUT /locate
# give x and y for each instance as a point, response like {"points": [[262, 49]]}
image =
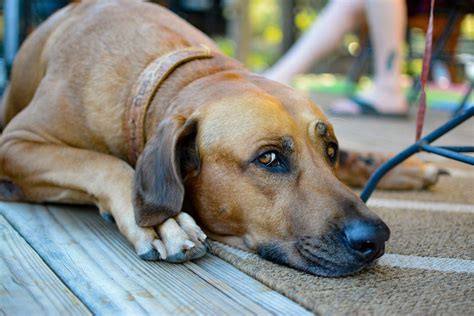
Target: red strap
{"points": [[420, 119]]}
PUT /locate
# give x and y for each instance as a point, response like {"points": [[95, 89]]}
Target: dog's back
{"points": [[28, 68], [99, 49]]}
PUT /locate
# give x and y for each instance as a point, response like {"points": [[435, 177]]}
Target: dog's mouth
{"points": [[327, 256]]}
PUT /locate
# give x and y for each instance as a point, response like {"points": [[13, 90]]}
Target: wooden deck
{"points": [[66, 260]]}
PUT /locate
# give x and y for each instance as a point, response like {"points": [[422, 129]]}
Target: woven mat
{"points": [[428, 268]]}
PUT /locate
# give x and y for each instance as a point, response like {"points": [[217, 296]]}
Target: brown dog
{"points": [[252, 160]]}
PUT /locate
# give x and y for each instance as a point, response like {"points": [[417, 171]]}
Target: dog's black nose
{"points": [[367, 237]]}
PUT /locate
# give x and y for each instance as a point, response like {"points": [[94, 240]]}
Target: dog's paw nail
{"points": [[160, 247], [151, 255], [187, 245], [443, 172], [198, 252], [202, 237], [208, 245], [177, 258], [108, 217]]}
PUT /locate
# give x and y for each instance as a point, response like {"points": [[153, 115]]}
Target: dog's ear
{"points": [[169, 157]]}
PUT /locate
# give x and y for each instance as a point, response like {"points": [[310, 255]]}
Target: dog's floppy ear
{"points": [[169, 156]]}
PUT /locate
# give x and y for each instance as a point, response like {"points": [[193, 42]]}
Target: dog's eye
{"points": [[271, 160], [331, 151]]}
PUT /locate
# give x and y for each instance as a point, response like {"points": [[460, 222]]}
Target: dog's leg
{"points": [[38, 172], [356, 167]]}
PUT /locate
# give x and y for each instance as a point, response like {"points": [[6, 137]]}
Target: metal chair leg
{"points": [[422, 145]]}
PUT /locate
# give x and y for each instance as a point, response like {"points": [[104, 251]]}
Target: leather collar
{"points": [[144, 90]]}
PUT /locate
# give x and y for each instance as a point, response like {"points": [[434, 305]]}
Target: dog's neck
{"points": [[144, 89], [163, 103]]}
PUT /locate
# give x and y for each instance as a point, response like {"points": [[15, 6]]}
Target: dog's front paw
{"points": [[147, 244], [182, 238]]}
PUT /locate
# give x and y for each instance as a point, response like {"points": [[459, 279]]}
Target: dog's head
{"points": [[254, 163]]}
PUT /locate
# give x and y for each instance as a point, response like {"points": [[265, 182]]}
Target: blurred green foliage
{"points": [[266, 33]]}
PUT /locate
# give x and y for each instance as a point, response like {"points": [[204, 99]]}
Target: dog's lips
{"points": [[340, 265], [380, 253], [336, 261]]}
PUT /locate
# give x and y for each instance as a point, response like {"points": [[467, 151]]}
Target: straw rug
{"points": [[428, 267]]}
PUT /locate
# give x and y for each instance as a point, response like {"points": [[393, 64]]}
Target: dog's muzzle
{"points": [[341, 251]]}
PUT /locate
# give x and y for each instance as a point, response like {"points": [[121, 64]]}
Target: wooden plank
{"points": [[100, 267], [251, 288], [28, 286]]}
